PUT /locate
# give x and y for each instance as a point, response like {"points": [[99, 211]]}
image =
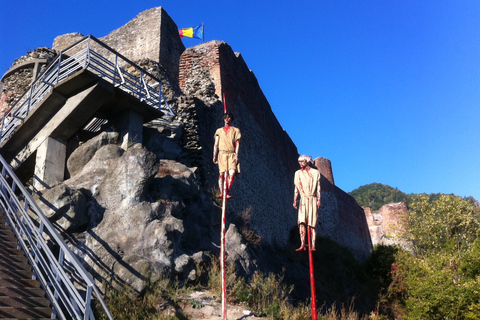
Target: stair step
{"points": [[25, 313], [7, 243], [24, 302], [13, 258], [4, 232], [15, 274], [14, 265], [19, 292], [19, 283], [17, 252], [8, 239]]}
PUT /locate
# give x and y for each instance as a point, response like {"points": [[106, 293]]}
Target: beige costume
{"points": [[226, 146], [307, 183]]}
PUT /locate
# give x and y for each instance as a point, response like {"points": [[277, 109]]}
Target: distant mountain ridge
{"points": [[375, 195]]}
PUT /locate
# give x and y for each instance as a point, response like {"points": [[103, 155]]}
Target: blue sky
{"points": [[388, 90]]}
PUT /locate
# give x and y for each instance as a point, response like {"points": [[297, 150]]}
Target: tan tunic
{"points": [[226, 148], [307, 181]]}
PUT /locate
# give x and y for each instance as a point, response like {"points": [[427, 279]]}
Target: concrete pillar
{"points": [[49, 163], [129, 125]]}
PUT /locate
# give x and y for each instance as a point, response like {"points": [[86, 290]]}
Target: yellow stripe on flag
{"points": [[188, 32]]}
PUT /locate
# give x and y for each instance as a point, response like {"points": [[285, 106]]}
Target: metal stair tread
{"points": [[19, 283], [26, 302], [18, 292], [12, 251], [12, 258], [25, 313], [15, 274]]}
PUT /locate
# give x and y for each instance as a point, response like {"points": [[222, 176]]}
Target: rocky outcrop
{"points": [[135, 226], [133, 217]]}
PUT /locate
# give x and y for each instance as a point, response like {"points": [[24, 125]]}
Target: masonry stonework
{"points": [[385, 225], [21, 75], [268, 157], [152, 34]]}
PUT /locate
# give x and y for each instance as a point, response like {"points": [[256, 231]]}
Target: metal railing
{"points": [[47, 253], [93, 55]]}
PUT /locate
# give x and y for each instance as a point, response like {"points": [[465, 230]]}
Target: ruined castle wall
{"points": [[268, 157], [152, 34], [265, 184], [21, 74]]}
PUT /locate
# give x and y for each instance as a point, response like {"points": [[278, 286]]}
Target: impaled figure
{"points": [[225, 152], [307, 184]]}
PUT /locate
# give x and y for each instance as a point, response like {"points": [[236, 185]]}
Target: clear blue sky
{"points": [[388, 90]]}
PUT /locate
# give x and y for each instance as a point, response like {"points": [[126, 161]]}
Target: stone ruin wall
{"points": [[385, 225], [268, 157], [152, 34], [21, 75], [261, 186]]}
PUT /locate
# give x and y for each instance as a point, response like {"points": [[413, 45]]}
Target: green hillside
{"points": [[375, 195]]}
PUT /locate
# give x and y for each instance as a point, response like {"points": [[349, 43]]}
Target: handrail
{"points": [[93, 55], [36, 236]]}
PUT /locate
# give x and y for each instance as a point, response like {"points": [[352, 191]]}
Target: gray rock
{"points": [[237, 251], [82, 155], [68, 208]]}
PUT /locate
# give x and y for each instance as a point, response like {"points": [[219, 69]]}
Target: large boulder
{"points": [[69, 208], [142, 208]]}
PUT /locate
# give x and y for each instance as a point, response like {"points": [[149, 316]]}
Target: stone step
{"points": [[25, 313]]}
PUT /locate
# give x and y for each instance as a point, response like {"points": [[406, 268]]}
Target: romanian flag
{"points": [[195, 32]]}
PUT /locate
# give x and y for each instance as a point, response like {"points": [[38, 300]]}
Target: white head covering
{"points": [[305, 158]]}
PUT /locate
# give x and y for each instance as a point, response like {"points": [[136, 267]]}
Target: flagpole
{"points": [[222, 248], [312, 276], [203, 33]]}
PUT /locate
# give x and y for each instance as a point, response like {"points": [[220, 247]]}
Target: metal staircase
{"points": [[94, 56], [40, 277], [20, 296], [26, 235]]}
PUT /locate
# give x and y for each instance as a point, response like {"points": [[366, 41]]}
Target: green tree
{"points": [[449, 223], [440, 279]]}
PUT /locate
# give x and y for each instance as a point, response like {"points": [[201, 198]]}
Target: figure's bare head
{"points": [[228, 118]]}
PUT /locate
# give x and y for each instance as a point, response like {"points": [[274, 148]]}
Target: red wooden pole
{"points": [[312, 277], [222, 248], [224, 105]]}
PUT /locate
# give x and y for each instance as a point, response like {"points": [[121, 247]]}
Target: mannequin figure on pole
{"points": [[307, 185], [225, 154]]}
